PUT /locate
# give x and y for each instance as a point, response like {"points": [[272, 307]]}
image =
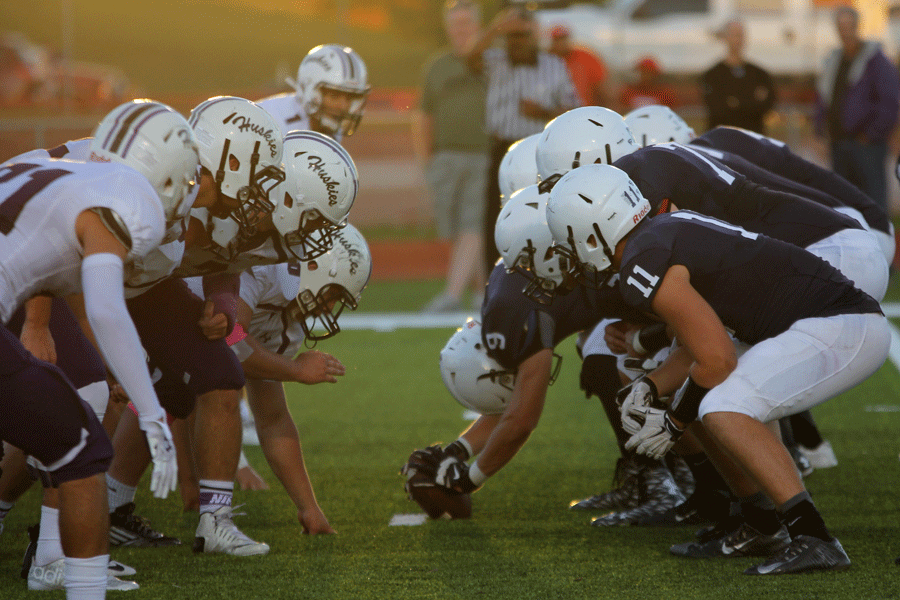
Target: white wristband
{"points": [[465, 444], [476, 475]]}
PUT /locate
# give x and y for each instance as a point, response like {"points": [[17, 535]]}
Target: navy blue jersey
{"points": [[757, 285], [514, 327], [767, 178], [774, 156], [695, 181]]}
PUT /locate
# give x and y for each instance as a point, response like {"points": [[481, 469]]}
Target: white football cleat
{"points": [[117, 569], [820, 457], [52, 577], [218, 533]]}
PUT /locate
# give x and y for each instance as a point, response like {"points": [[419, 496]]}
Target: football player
{"points": [[309, 202], [809, 335], [329, 93], [659, 124], [519, 331], [98, 218], [680, 175], [766, 161], [280, 307]]}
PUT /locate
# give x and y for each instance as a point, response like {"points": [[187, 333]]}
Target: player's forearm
{"points": [[265, 364], [280, 444], [479, 432], [115, 333]]}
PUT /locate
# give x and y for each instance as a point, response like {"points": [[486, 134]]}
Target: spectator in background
{"points": [[586, 69], [858, 94], [648, 89], [451, 141], [526, 87], [737, 92]]}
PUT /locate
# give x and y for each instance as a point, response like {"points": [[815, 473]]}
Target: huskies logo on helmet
{"points": [[245, 124]]}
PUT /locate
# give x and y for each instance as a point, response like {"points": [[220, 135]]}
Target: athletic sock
{"points": [[49, 547], [215, 494], [759, 512], [801, 517], [706, 477], [118, 493], [86, 577]]}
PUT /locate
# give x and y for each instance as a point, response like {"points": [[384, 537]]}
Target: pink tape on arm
{"points": [[236, 335]]}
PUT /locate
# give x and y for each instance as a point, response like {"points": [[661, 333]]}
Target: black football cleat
{"points": [[804, 553], [128, 529], [743, 541]]}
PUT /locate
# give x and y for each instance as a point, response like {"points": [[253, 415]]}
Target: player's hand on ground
{"points": [[314, 522], [657, 436], [635, 399], [249, 479], [214, 325], [39, 342], [162, 451], [313, 367]]}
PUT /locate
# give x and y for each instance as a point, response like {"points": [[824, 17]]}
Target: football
{"points": [[436, 500]]}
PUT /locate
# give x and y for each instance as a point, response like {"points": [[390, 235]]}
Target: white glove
{"points": [[162, 450], [657, 436], [634, 400]]}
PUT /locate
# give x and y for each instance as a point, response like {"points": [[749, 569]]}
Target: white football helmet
{"points": [[518, 169], [227, 127], [582, 136], [524, 242], [338, 68], [331, 282], [157, 142], [475, 380], [320, 187], [657, 124], [589, 211]]}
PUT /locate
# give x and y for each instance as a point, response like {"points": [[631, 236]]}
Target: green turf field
{"points": [[522, 541]]}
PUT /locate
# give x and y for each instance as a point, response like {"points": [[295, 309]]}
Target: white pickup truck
{"points": [[786, 37]]}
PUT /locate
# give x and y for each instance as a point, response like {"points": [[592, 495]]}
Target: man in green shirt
{"points": [[450, 140]]}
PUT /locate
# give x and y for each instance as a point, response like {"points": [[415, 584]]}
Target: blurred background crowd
{"points": [[67, 63]]}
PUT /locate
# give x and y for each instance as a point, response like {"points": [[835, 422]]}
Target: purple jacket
{"points": [[873, 99]]}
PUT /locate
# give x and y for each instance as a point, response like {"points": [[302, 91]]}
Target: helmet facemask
{"points": [[320, 310], [347, 121]]}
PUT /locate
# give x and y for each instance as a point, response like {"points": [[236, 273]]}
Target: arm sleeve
{"points": [[101, 280]]}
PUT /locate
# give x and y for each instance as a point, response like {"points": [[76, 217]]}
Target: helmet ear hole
{"points": [[312, 265], [168, 187], [592, 242], [288, 201], [233, 163]]}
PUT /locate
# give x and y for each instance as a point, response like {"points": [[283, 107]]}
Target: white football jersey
{"points": [[146, 271], [269, 290], [40, 201], [289, 114]]}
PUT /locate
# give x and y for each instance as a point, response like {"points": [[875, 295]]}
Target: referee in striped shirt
{"points": [[526, 87]]}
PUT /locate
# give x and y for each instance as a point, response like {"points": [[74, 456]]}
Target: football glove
{"points": [[425, 461], [657, 435], [453, 473], [634, 399], [162, 451]]}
